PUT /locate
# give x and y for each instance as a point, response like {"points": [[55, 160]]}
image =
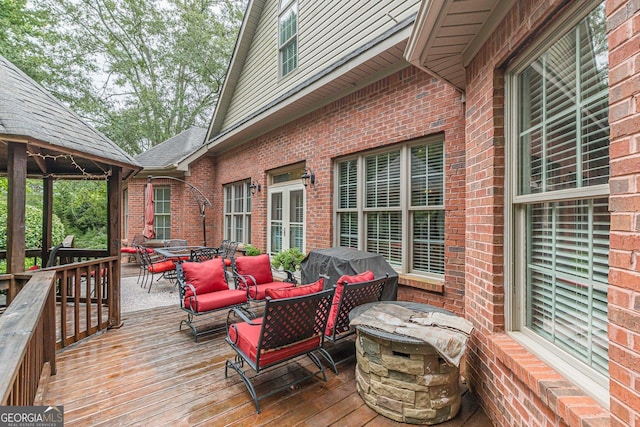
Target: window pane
{"points": [[348, 185], [383, 180], [288, 40], [236, 209], [428, 241], [384, 235], [567, 276], [162, 209], [427, 175], [564, 133], [348, 233]]}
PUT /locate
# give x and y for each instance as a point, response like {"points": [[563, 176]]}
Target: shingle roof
{"points": [[173, 149], [27, 110]]}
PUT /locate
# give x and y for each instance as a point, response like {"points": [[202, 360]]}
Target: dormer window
{"points": [[288, 36]]}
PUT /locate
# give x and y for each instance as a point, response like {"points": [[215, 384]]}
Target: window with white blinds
{"points": [[561, 204], [392, 203], [288, 36], [237, 212]]}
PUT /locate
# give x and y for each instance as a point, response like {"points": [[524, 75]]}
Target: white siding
{"points": [[328, 30]]}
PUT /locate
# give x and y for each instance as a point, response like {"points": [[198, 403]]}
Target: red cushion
{"points": [[207, 276], [297, 291], [161, 267], [258, 266], [33, 267], [214, 300], [227, 262], [262, 289], [149, 250], [128, 250], [247, 341], [358, 278]]}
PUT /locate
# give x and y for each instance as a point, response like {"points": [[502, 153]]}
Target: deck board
{"points": [[149, 373]]}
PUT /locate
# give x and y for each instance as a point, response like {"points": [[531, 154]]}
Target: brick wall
{"points": [[514, 386], [406, 105], [623, 26]]}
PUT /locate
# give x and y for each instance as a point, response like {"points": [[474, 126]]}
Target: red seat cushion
{"points": [[128, 250], [214, 300], [258, 266], [207, 276], [161, 267], [227, 262], [149, 250], [358, 278], [297, 291], [262, 289], [246, 337]]}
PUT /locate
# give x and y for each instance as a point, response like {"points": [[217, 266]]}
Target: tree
{"points": [[160, 63]]}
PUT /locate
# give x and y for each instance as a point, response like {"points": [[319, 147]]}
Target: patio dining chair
{"points": [[202, 254], [151, 266], [290, 327]]}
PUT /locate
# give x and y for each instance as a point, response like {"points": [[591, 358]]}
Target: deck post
{"points": [[16, 206], [114, 233], [47, 219]]}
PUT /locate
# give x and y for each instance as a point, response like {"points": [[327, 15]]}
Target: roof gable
{"points": [[28, 113], [174, 149], [342, 47]]}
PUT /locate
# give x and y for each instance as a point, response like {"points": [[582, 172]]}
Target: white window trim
{"points": [[164, 214], [405, 208], [591, 382], [281, 13], [233, 214]]}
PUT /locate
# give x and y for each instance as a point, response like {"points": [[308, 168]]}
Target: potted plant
{"points": [[289, 259], [250, 250]]}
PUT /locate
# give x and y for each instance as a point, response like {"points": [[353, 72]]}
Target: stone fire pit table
{"points": [[402, 377]]}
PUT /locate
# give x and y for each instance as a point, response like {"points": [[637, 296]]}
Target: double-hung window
{"points": [[392, 202], [288, 36], [237, 212], [559, 151], [162, 212]]}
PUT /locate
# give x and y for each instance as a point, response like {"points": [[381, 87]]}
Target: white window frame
{"points": [[405, 208], [237, 220], [164, 232], [589, 380], [286, 6]]}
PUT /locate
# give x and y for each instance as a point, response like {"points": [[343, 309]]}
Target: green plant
{"points": [[289, 259], [251, 250]]}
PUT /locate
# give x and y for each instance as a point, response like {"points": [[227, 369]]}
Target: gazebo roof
{"points": [[59, 142]]}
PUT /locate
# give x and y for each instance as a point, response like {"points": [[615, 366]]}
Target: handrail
{"points": [[27, 333]]}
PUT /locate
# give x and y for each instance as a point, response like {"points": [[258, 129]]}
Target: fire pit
{"points": [[404, 378]]}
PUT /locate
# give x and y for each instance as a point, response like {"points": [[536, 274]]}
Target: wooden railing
{"points": [[85, 292], [33, 326], [27, 334]]}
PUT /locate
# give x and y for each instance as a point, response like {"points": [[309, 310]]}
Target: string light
{"points": [[106, 174]]}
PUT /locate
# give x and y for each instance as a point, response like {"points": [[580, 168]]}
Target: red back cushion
{"points": [[296, 291], [258, 266], [207, 276], [358, 278]]}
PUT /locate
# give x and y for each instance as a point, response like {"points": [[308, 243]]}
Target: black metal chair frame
{"points": [[191, 314], [353, 295], [286, 322], [145, 263], [202, 254]]}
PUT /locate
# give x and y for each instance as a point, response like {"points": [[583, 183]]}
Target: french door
{"points": [[286, 218]]}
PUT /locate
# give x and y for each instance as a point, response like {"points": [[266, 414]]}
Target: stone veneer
{"points": [[406, 382]]}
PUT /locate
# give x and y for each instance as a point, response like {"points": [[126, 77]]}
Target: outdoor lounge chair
{"points": [[291, 327], [204, 289], [351, 291], [254, 275]]}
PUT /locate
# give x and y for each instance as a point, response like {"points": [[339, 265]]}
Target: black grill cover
{"points": [[334, 262]]}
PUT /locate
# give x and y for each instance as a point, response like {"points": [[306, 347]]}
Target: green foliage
{"points": [[160, 63], [82, 206], [33, 228], [289, 259], [251, 250]]}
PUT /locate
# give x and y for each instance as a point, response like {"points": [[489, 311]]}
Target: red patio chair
{"points": [[351, 291], [253, 274], [204, 289], [151, 266], [291, 327]]}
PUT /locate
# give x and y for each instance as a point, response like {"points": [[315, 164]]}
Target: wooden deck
{"points": [[149, 373]]}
